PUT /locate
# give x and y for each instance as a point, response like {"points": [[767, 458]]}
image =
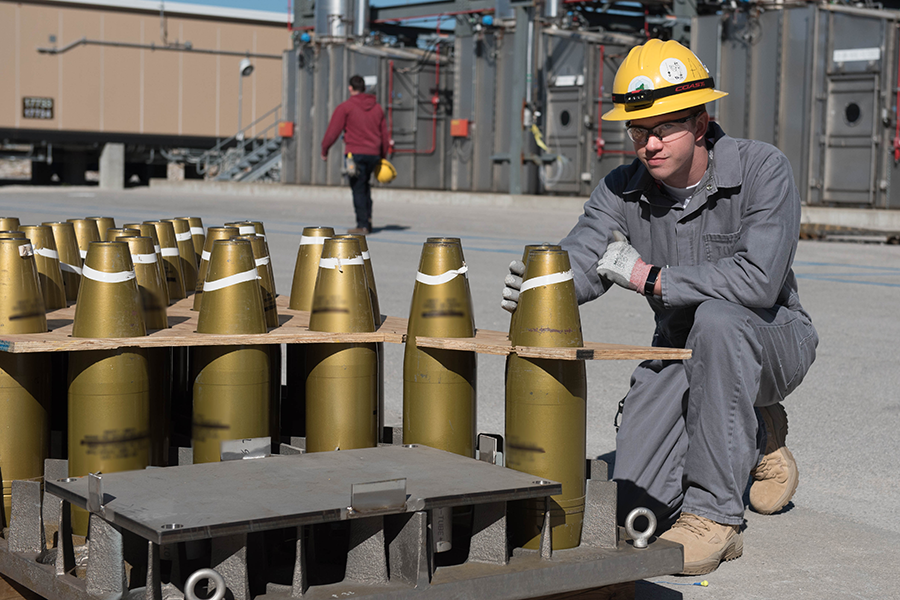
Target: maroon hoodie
{"points": [[362, 121]]}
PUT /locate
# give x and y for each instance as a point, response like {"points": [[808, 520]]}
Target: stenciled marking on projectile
{"points": [[524, 448]]}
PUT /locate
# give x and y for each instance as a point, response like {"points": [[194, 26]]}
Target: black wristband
{"points": [[651, 280]]}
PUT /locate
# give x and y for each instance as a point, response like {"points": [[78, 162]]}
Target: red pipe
{"points": [[600, 143], [435, 99], [897, 109], [391, 105], [446, 14]]}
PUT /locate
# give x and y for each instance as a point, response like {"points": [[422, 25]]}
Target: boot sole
{"points": [[790, 489], [730, 552]]}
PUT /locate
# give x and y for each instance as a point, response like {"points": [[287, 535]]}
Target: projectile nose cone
{"points": [[213, 234], [185, 244], [114, 233], [86, 231], [306, 268], [370, 273], [547, 315], [109, 302], [21, 301], [104, 224], [245, 227], [154, 297], [9, 223], [341, 301], [266, 277], [198, 236], [232, 300], [530, 247], [525, 253], [448, 240], [47, 259], [69, 256], [442, 303], [165, 232]]}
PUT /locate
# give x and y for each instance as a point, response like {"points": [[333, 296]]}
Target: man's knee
{"points": [[718, 322]]}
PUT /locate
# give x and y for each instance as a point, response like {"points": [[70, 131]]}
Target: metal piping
{"points": [[151, 46], [605, 37], [551, 9], [361, 19]]}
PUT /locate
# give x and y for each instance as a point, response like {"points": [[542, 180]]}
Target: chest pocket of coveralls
{"points": [[720, 245]]}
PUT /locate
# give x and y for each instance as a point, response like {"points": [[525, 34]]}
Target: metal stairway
{"points": [[252, 154]]}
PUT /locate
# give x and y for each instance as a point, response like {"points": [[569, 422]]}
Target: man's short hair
{"points": [[358, 83]]}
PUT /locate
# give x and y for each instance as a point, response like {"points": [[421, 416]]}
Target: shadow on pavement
{"points": [[647, 590]]}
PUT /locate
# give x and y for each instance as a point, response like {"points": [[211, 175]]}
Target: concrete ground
{"points": [[839, 538]]}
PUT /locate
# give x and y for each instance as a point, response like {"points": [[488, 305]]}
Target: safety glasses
{"points": [[664, 132]]}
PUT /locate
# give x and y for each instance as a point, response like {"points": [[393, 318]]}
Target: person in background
{"points": [[366, 141]]}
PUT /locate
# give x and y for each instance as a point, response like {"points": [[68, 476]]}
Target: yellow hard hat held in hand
{"points": [[660, 78], [385, 171]]}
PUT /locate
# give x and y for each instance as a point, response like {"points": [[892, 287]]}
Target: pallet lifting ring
{"points": [[210, 574], [640, 538]]}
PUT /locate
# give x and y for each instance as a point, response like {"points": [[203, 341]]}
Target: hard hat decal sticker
{"points": [[641, 82], [673, 70]]}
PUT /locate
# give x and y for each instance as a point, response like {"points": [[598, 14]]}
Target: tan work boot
{"points": [[775, 477], [706, 543]]}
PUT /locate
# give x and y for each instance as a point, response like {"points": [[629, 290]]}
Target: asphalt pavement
{"points": [[839, 537]]}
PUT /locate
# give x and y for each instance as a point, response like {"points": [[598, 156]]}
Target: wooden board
{"points": [[293, 328], [495, 342]]}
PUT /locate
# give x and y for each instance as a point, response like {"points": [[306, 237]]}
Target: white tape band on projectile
{"points": [[169, 252], [83, 254], [340, 263], [205, 256], [105, 277], [306, 240], [366, 255], [442, 278], [143, 259], [183, 237], [70, 268], [218, 284], [196, 231], [47, 253], [157, 249], [262, 261], [550, 279], [247, 229]]}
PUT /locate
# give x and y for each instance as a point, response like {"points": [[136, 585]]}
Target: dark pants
{"points": [[362, 191]]}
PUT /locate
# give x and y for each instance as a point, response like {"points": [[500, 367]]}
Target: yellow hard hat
{"points": [[660, 78], [385, 171]]}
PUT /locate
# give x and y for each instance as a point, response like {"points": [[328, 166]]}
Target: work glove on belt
{"points": [[622, 265], [513, 284]]}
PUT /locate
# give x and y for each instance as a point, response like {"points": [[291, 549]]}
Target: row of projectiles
{"points": [[124, 404]]}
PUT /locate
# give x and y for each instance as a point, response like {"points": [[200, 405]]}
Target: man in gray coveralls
{"points": [[706, 227]]}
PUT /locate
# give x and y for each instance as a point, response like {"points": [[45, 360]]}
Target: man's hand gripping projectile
{"points": [[620, 264]]}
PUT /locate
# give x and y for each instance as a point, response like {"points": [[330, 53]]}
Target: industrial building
{"points": [[480, 95], [511, 101], [152, 77]]}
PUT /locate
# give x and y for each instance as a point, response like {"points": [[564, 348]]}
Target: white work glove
{"points": [[513, 283], [622, 265]]}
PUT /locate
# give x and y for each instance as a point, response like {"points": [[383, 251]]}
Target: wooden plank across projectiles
{"points": [[293, 328]]}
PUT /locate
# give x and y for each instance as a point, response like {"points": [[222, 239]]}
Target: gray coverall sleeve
{"points": [[755, 264], [587, 241]]}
